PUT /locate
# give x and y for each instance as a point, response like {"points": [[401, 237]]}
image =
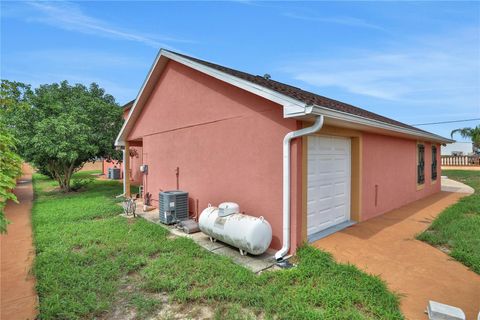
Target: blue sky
{"points": [[416, 62]]}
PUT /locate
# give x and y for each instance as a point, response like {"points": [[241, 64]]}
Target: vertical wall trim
{"points": [[304, 235], [356, 182], [126, 169]]}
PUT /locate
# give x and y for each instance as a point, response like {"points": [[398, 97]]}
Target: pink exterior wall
{"points": [[226, 142], [112, 164], [135, 162], [391, 164]]}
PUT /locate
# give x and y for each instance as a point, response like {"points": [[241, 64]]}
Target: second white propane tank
{"points": [[250, 234]]}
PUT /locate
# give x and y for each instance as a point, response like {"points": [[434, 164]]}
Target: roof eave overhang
{"points": [[128, 124], [362, 121], [290, 105]]}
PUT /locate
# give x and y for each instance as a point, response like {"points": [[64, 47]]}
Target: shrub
{"points": [[10, 169]]}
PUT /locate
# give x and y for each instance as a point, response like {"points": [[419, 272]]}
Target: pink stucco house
{"points": [[307, 163]]}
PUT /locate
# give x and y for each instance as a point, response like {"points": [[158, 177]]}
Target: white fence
{"points": [[460, 161]]}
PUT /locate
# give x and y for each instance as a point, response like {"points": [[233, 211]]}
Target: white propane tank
{"points": [[228, 208], [249, 234]]}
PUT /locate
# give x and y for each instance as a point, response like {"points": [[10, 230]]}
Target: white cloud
{"points": [[69, 16], [438, 71], [341, 20], [77, 58], [77, 65]]}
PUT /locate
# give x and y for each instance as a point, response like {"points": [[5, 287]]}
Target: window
{"points": [[420, 163], [434, 163]]}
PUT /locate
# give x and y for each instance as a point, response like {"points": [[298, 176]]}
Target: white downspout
{"points": [[286, 181], [124, 171]]}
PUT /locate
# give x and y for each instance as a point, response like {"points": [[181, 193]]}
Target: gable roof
{"points": [[308, 98], [296, 102], [128, 105]]}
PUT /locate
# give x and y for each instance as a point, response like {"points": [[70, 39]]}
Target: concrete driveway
{"points": [[386, 246]]}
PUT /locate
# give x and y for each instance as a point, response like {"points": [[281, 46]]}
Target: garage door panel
{"points": [[324, 190], [320, 220], [323, 168], [339, 218], [320, 192], [339, 188], [323, 163], [338, 199], [312, 230], [339, 212], [328, 182], [320, 178], [325, 204], [322, 202]]}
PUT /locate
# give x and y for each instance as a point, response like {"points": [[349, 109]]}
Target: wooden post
{"points": [[126, 169]]}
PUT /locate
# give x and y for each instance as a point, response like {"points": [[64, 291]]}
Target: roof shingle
{"points": [[302, 95]]}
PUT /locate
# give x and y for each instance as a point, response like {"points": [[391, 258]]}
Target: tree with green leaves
{"points": [[60, 126], [470, 133], [10, 169]]}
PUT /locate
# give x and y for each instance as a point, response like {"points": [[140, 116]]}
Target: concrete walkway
{"points": [[450, 185], [386, 246], [18, 299]]}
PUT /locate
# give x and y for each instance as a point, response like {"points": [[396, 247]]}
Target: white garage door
{"points": [[328, 195]]}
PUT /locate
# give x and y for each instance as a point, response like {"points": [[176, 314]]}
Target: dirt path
{"points": [[386, 246], [18, 299]]}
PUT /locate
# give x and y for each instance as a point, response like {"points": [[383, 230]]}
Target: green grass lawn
{"points": [[90, 261], [457, 229]]}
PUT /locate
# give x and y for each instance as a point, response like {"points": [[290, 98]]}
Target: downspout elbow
{"points": [[286, 181]]}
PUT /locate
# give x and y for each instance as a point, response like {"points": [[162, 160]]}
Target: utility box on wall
{"points": [[173, 206]]}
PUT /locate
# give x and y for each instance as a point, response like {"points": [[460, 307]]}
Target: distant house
{"points": [[135, 157], [458, 149], [306, 163]]}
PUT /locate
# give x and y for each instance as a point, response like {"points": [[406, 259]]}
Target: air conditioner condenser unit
{"points": [[173, 206]]}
